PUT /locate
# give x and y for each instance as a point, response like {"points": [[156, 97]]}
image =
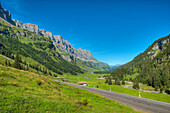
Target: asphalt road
{"points": [[140, 103]]}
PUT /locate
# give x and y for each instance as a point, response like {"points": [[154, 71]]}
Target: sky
{"points": [[115, 31]]}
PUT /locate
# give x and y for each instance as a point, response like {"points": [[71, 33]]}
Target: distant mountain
{"points": [[116, 66], [82, 58]]}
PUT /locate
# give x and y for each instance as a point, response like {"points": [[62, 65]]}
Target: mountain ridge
{"points": [[4, 14], [59, 42], [152, 67], [63, 47]]}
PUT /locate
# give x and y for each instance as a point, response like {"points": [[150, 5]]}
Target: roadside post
{"points": [[139, 94]]}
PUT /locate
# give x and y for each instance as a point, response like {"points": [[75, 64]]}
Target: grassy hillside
{"points": [[22, 91], [36, 47]]}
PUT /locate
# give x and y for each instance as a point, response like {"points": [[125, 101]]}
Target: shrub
{"points": [[123, 82], [15, 84], [39, 83], [135, 85], [85, 101]]}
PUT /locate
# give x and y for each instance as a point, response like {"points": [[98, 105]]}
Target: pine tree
{"points": [[117, 82], [9, 63], [123, 82], [109, 80], [156, 82], [17, 61], [27, 67], [106, 80], [6, 62], [135, 84]]}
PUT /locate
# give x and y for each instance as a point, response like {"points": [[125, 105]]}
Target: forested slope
{"points": [[36, 47], [152, 67]]}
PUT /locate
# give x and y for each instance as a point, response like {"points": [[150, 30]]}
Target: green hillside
{"points": [[152, 67], [35, 47], [23, 91]]}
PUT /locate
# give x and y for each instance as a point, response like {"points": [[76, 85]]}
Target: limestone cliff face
{"points": [[66, 50], [158, 45], [63, 45], [4, 14]]}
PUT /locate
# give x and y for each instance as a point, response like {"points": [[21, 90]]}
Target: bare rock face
{"points": [[159, 45], [34, 28], [30, 27], [4, 14], [59, 43]]}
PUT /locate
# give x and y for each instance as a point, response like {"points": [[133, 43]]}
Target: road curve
{"points": [[140, 103]]}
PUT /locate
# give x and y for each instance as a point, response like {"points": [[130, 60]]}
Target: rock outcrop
{"points": [[5, 15], [63, 45], [158, 45], [66, 50]]}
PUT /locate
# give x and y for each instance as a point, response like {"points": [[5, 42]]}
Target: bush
{"points": [[15, 84], [123, 82], [135, 85], [85, 101], [39, 82]]}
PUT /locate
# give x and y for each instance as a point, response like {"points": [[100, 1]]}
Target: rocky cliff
{"points": [[157, 46], [4, 14], [152, 52], [83, 58], [63, 45]]}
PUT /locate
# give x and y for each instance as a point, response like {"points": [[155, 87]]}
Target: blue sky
{"points": [[115, 31]]}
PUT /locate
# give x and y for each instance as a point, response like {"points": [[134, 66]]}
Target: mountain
{"points": [[66, 50], [63, 45], [116, 66], [35, 50], [152, 67], [82, 58]]}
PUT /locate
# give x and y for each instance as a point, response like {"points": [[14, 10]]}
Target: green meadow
{"points": [[92, 81], [23, 91]]}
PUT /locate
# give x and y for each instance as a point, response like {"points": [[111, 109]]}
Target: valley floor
{"points": [[92, 81]]}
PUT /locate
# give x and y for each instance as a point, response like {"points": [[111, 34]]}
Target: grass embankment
{"points": [[22, 91], [93, 81]]}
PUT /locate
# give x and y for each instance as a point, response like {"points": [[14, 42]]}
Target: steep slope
{"points": [[36, 47], [59, 42], [5, 15], [152, 66], [66, 50], [63, 47]]}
